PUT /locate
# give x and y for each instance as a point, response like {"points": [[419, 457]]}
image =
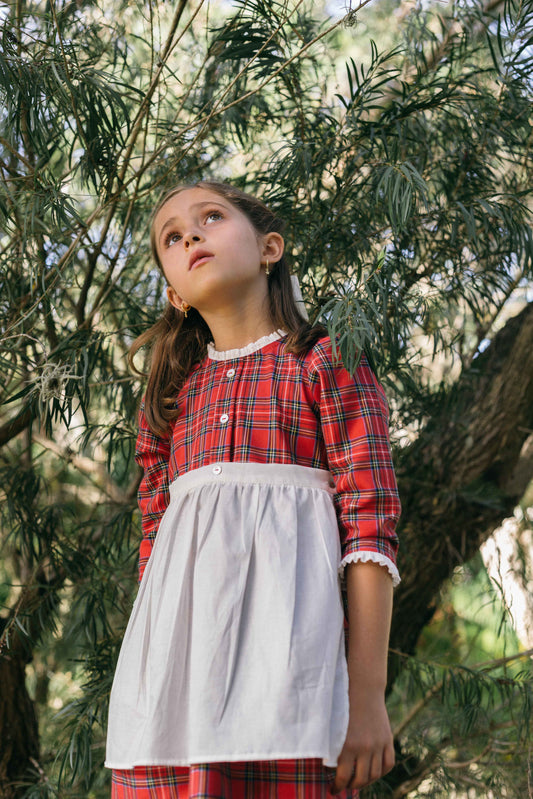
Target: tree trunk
{"points": [[508, 558], [19, 748], [19, 731], [465, 473]]}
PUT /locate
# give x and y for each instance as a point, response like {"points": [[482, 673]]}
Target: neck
{"points": [[233, 328], [239, 334]]}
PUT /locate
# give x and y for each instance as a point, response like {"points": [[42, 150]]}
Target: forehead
{"points": [[187, 201]]}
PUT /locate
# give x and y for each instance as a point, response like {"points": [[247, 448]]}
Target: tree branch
{"points": [[464, 474], [15, 426], [91, 468]]}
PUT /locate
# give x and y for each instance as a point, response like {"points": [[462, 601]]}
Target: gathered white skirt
{"points": [[235, 645]]}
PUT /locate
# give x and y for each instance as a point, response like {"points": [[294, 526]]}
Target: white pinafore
{"points": [[235, 646]]}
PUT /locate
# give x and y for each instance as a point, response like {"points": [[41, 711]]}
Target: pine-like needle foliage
{"points": [[406, 187]]}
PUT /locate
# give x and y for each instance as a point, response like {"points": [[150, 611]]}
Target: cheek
{"points": [[170, 264], [247, 245]]}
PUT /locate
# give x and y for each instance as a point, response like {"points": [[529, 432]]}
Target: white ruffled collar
{"points": [[226, 355]]}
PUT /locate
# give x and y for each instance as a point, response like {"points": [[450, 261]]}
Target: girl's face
{"points": [[210, 252]]}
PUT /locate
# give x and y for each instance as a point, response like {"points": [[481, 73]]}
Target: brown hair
{"points": [[178, 342]]}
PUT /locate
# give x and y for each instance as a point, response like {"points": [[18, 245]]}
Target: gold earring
{"points": [[184, 308], [267, 268]]}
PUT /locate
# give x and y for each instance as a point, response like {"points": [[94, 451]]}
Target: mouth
{"points": [[199, 257]]}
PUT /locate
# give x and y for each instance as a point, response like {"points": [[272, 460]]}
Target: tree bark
{"points": [[465, 473], [14, 426], [19, 734]]}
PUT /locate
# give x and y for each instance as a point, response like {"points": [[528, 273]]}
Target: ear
{"points": [[174, 298], [272, 247]]}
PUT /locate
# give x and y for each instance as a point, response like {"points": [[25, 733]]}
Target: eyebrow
{"points": [[172, 221]]}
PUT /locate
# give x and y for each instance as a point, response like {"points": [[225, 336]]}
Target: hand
{"points": [[368, 751]]}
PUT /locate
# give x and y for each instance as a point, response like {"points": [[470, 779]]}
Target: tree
{"points": [[407, 197]]}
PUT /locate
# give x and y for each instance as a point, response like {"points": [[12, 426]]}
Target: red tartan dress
{"points": [[232, 679]]}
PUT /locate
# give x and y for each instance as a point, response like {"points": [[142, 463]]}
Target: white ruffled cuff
{"points": [[364, 556]]}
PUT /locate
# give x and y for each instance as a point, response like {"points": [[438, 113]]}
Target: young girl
{"points": [[267, 471]]}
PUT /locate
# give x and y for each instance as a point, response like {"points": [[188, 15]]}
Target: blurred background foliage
{"points": [[395, 140]]}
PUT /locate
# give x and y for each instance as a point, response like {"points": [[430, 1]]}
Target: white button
{"points": [[224, 418], [217, 469], [230, 373]]}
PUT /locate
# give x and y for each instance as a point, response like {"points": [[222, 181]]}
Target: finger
{"points": [[343, 774], [342, 778], [376, 768], [389, 758], [361, 772]]}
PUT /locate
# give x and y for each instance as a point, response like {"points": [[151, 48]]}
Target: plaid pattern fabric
{"points": [[279, 779], [271, 407], [274, 407]]}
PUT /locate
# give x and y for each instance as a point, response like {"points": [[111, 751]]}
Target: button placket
{"points": [[230, 373]]}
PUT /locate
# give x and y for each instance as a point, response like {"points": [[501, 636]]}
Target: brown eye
{"points": [[171, 238], [214, 216]]}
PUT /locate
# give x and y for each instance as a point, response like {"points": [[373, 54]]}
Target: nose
{"points": [[191, 238]]}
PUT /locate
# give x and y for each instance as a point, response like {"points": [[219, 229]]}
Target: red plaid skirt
{"points": [[268, 779]]}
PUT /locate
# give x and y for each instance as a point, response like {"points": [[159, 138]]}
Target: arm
{"points": [[353, 417], [152, 453], [368, 751]]}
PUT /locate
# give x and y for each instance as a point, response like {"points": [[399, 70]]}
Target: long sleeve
{"points": [[353, 415], [152, 454]]}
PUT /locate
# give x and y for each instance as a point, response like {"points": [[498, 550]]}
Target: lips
{"points": [[197, 256]]}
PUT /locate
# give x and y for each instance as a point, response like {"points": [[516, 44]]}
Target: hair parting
{"points": [[177, 343]]}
